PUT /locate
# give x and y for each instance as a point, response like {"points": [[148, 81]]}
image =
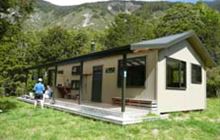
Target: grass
{"points": [[24, 123]]}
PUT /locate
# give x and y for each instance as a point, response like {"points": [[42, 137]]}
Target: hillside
{"points": [[95, 15]]}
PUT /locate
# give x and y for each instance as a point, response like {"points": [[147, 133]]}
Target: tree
{"points": [[213, 82], [127, 29], [12, 13], [200, 18], [59, 43]]}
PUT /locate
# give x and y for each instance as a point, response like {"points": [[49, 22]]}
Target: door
{"points": [[51, 77], [97, 84]]}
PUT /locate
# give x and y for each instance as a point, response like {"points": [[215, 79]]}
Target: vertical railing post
{"points": [[124, 76], [81, 83]]}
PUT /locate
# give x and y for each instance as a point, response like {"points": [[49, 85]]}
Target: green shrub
{"points": [[20, 89], [6, 104], [213, 83], [2, 91]]}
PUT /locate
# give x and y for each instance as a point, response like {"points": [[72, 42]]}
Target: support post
{"points": [[81, 83], [124, 76]]}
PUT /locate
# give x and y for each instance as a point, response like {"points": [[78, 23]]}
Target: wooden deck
{"points": [[101, 111]]}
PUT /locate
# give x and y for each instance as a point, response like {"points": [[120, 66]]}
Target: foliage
{"points": [[51, 124], [127, 29], [6, 104], [20, 89], [11, 14], [148, 10], [200, 18], [30, 82], [58, 43], [12, 60], [213, 83], [2, 91]]}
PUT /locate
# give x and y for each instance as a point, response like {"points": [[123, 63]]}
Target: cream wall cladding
{"points": [[66, 77], [109, 81], [194, 96]]}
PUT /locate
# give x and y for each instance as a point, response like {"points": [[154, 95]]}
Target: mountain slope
{"points": [[94, 15]]}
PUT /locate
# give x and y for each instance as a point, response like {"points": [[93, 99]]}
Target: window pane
{"points": [[183, 74], [75, 84], [176, 73], [196, 74]]}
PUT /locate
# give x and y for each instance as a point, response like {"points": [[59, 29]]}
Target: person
{"points": [[48, 94], [39, 90]]}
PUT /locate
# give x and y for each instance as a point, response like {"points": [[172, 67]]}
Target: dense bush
{"points": [[213, 83], [6, 104]]}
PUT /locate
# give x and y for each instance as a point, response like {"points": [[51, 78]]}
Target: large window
{"points": [[176, 74], [196, 74], [136, 72]]}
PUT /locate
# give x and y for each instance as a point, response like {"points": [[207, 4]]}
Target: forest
{"points": [[21, 48]]}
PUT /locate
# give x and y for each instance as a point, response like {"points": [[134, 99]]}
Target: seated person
{"points": [[48, 94]]}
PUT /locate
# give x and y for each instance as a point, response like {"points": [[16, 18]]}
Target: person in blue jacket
{"points": [[39, 91]]}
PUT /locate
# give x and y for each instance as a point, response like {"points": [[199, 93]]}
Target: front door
{"points": [[97, 84], [51, 77]]}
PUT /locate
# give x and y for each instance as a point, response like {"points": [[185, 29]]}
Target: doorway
{"points": [[97, 84]]}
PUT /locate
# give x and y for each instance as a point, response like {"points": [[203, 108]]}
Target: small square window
{"points": [[60, 71], [75, 84], [196, 74]]}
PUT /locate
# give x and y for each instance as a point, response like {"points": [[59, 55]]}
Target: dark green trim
{"points": [[123, 89], [81, 82], [55, 78]]}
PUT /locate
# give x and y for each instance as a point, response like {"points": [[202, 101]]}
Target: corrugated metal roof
{"points": [[162, 42]]}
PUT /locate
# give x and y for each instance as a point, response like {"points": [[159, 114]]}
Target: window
{"points": [[196, 74], [136, 72], [76, 70], [60, 71], [176, 74], [75, 84]]}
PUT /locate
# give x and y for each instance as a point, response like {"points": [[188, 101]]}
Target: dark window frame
{"points": [[77, 70], [130, 84], [77, 84], [60, 72], [198, 81], [180, 66]]}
